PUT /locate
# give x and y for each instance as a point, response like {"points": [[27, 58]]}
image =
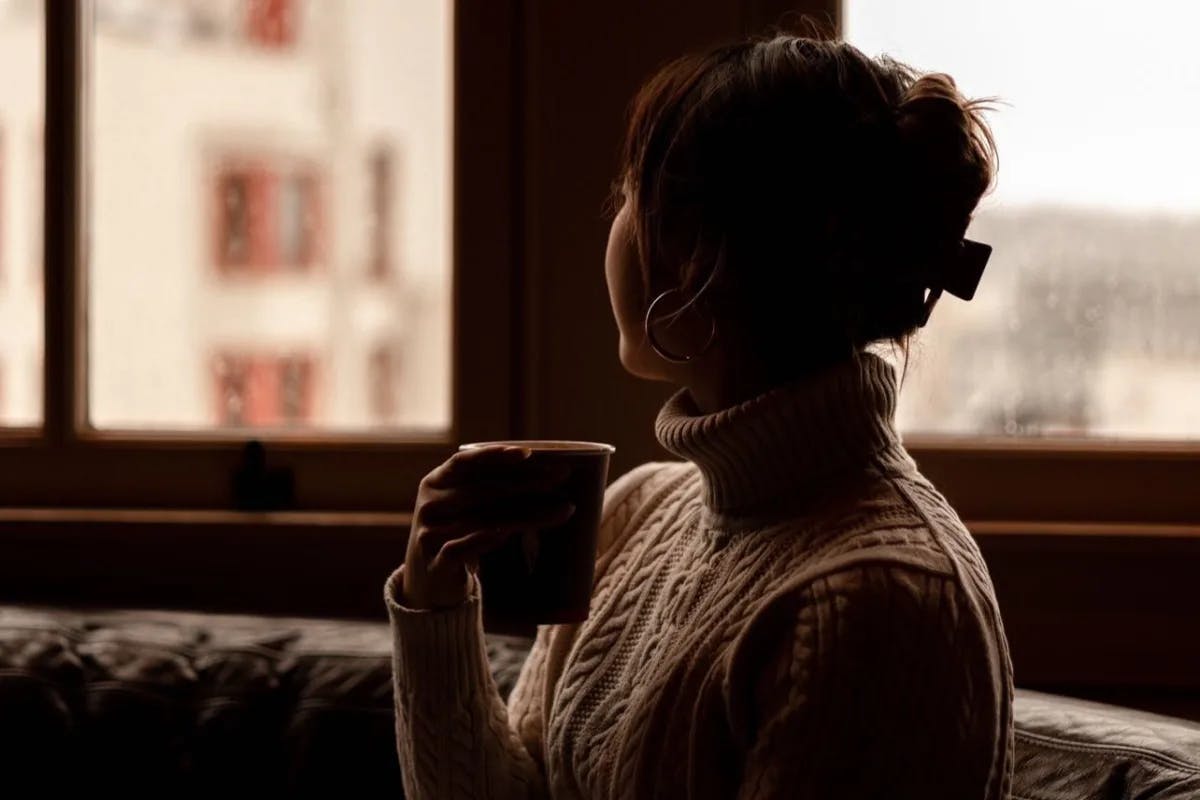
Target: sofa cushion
{"points": [[180, 704], [1072, 749], [147, 701]]}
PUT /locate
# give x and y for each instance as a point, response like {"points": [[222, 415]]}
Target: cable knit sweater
{"points": [[792, 612]]}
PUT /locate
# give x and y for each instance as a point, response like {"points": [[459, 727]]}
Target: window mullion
{"points": [[63, 407]]}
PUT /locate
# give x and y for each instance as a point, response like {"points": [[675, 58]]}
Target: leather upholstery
{"points": [[186, 705], [1068, 748], [180, 704]]}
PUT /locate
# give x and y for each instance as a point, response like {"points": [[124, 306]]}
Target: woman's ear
{"points": [[678, 327]]}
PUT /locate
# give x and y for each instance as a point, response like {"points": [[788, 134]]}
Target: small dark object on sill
{"points": [[256, 487]]}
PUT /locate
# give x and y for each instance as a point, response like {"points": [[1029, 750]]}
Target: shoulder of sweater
{"points": [[855, 585], [869, 645], [810, 625], [917, 492], [899, 542], [642, 482], [947, 532], [910, 554]]}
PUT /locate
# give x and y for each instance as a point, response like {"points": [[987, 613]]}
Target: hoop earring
{"points": [[662, 352]]}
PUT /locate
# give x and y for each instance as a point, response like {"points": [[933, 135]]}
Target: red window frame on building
{"points": [[250, 389], [262, 180], [272, 23]]}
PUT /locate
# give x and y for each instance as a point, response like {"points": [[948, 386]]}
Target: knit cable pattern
{"points": [[791, 611]]}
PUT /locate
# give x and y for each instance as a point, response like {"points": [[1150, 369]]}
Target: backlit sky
{"points": [[1104, 96]]}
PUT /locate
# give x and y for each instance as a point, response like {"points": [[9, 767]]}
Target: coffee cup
{"points": [[545, 576]]}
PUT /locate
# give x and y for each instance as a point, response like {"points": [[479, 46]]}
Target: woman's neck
{"points": [[790, 439], [712, 395]]}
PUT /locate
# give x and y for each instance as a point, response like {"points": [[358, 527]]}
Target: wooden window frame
{"points": [[67, 464], [494, 393]]}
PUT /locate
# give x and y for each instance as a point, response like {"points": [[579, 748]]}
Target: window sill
{"points": [[169, 518], [1083, 604], [299, 563], [1134, 483]]}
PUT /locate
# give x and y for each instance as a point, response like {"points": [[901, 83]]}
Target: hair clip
{"points": [[962, 279], [960, 274]]}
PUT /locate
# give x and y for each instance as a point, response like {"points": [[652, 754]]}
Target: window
{"points": [[381, 221], [233, 220], [257, 390], [239, 179], [383, 376], [268, 216], [271, 23], [206, 240], [1085, 324], [299, 220]]}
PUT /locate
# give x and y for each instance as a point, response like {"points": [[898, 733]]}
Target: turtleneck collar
{"points": [[779, 444]]}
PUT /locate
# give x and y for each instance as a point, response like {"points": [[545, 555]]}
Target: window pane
{"points": [[22, 58], [270, 204], [1087, 321]]}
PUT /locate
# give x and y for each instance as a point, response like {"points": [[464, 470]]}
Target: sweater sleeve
{"points": [[872, 682], [452, 731], [455, 736]]}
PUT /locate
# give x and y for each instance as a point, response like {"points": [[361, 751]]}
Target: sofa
{"points": [[181, 704]]}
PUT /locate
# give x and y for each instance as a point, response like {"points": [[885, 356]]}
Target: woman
{"points": [[792, 610]]}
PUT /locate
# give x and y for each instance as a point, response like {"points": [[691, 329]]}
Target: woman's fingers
{"points": [[465, 464], [495, 526], [447, 504], [467, 549]]}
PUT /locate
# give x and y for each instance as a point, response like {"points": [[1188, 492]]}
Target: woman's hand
{"points": [[469, 505]]}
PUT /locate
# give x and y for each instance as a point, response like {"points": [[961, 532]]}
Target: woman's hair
{"points": [[801, 190]]}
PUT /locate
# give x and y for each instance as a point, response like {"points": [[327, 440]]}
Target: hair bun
{"points": [[948, 154]]}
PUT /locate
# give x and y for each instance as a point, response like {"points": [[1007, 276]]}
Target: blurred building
{"points": [[1085, 322], [270, 198]]}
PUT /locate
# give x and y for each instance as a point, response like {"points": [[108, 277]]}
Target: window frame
{"points": [[68, 464], [494, 393]]}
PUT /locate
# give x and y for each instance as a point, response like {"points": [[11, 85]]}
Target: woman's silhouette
{"points": [[793, 610]]}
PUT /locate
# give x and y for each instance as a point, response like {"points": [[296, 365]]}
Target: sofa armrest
{"points": [[1073, 749]]}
